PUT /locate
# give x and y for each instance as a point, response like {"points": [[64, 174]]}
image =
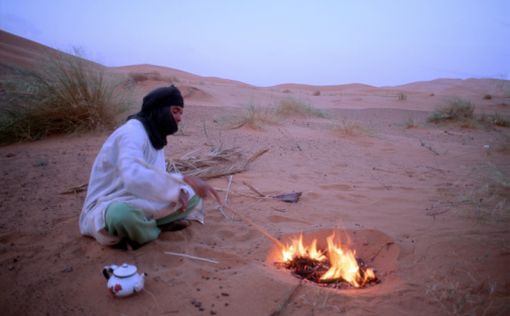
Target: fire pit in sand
{"points": [[336, 266]]}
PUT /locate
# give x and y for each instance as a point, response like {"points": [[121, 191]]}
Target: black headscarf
{"points": [[155, 114]]}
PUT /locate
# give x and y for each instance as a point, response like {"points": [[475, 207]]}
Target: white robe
{"points": [[128, 169]]}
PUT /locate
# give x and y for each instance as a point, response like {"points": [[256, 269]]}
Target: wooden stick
{"points": [[257, 227], [190, 256], [253, 189]]}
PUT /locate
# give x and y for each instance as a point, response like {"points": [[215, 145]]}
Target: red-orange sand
{"points": [[426, 205]]}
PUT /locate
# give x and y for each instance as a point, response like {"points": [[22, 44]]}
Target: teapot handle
{"points": [[107, 272]]}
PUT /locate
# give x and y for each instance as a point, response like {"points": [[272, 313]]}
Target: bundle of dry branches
{"points": [[213, 163]]}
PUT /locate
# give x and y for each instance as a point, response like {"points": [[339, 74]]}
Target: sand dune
{"points": [[425, 205]]}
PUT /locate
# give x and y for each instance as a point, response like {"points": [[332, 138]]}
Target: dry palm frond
{"points": [[214, 163]]}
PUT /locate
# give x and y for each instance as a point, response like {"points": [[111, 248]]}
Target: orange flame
{"points": [[297, 249], [343, 263]]}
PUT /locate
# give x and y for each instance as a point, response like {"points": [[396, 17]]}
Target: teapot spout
{"points": [[141, 281]]}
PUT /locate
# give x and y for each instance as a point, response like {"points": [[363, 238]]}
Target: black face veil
{"points": [[155, 114]]}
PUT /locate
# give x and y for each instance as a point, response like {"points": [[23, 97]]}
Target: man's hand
{"points": [[201, 188], [183, 200]]}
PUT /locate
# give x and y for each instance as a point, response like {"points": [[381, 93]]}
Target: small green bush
{"points": [[62, 97], [455, 111]]}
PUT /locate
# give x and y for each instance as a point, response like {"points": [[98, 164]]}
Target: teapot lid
{"points": [[125, 270]]}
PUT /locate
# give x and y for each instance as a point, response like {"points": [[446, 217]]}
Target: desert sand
{"points": [[425, 205]]}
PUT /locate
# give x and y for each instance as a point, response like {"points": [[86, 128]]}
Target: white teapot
{"points": [[123, 280]]}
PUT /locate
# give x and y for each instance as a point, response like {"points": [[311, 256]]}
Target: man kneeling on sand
{"points": [[130, 197]]}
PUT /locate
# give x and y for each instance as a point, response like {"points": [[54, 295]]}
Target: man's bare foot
{"points": [[126, 245]]}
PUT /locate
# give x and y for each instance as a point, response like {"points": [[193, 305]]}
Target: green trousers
{"points": [[125, 221]]}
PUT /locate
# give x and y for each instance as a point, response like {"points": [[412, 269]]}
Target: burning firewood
{"points": [[335, 267]]}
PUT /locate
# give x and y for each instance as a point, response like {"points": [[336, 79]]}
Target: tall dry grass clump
{"points": [[66, 95], [297, 108], [256, 117], [253, 117]]}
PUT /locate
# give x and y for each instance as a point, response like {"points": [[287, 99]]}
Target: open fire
{"points": [[337, 266]]}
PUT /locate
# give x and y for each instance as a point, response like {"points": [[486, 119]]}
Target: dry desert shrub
{"points": [[143, 76], [64, 96], [256, 117], [349, 129], [462, 112], [495, 119], [401, 96], [456, 110], [152, 75], [410, 123], [458, 298], [491, 196], [296, 108]]}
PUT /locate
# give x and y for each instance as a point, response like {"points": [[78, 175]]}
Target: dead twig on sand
{"points": [[287, 300], [226, 196], [228, 189], [76, 189], [386, 245], [422, 143], [190, 257], [232, 192]]}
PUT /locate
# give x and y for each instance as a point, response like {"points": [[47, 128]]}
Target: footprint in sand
{"points": [[236, 236]]}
